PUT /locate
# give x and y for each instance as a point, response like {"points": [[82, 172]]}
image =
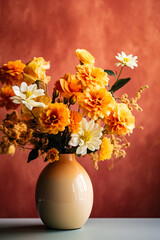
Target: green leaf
{"points": [[110, 72], [33, 155], [120, 83]]}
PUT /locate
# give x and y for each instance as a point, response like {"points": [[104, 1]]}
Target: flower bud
{"points": [[65, 100], [85, 57], [72, 100], [59, 100], [55, 95]]}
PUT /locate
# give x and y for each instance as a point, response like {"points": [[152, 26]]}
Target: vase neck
{"points": [[67, 157]]}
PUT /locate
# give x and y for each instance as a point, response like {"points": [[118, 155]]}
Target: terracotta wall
{"points": [[54, 29]]}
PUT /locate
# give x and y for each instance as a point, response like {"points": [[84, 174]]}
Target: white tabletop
{"points": [[94, 229]]}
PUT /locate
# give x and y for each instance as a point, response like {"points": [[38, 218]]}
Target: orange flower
{"points": [[26, 114], [91, 76], [11, 73], [36, 70], [5, 101], [54, 118], [95, 103], [69, 85], [106, 149], [53, 155], [84, 56], [120, 120], [75, 119]]}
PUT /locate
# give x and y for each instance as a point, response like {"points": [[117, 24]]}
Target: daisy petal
{"points": [[82, 150], [39, 92], [29, 106], [32, 88], [17, 92], [17, 101], [90, 147], [74, 142], [23, 87]]}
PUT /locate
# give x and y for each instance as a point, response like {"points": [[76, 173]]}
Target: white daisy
{"points": [[87, 138], [25, 94], [126, 60]]}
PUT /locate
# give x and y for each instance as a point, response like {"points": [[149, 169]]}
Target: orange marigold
{"points": [[53, 155], [54, 118], [120, 120], [75, 119], [95, 103], [106, 149], [91, 76], [12, 72], [69, 85], [5, 94]]}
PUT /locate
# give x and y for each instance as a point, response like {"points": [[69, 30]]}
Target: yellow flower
{"points": [[16, 130], [36, 70], [11, 73], [95, 103], [53, 155], [75, 119], [54, 118], [5, 94], [91, 76], [20, 133], [120, 120], [25, 112], [106, 149], [69, 85], [84, 56]]}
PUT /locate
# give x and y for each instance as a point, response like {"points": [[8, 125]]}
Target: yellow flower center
{"points": [[86, 137], [28, 94], [126, 60]]}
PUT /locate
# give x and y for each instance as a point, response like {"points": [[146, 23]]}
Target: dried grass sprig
{"points": [[132, 102]]}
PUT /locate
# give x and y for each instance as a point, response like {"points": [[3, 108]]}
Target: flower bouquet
{"points": [[82, 117]]}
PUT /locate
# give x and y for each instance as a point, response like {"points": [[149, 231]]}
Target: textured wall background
{"points": [[54, 29]]}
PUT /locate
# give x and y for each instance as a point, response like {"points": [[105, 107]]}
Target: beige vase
{"points": [[64, 194]]}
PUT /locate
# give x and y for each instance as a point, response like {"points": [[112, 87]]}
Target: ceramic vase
{"points": [[64, 194]]}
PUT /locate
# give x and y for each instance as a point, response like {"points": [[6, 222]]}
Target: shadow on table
{"points": [[29, 229], [36, 231]]}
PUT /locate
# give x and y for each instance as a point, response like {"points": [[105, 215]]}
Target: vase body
{"points": [[64, 194]]}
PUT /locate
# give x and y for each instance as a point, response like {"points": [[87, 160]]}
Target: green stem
{"points": [[33, 115], [120, 73], [38, 84]]}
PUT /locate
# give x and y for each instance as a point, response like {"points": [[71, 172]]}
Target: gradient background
{"points": [[55, 29]]}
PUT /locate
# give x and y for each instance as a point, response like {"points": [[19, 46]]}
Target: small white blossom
{"points": [[87, 138], [126, 60], [25, 94]]}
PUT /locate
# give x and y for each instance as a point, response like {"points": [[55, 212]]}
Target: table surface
{"points": [[94, 229]]}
